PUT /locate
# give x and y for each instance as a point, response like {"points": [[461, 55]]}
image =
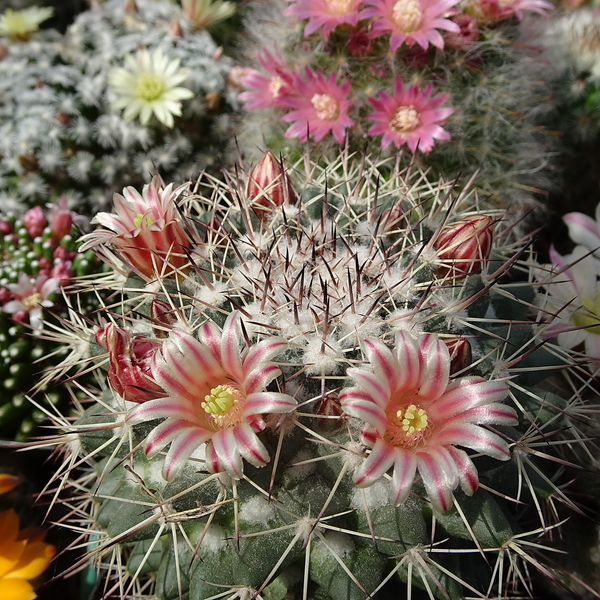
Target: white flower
{"points": [[149, 84]]}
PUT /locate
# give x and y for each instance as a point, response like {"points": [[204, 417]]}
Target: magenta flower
{"points": [[411, 21], [320, 107], [146, 231], [409, 117], [267, 90], [416, 417], [216, 395], [325, 13], [30, 297]]}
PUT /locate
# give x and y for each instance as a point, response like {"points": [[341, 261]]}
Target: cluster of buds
{"points": [[335, 329]]}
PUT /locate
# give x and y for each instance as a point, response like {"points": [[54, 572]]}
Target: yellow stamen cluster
{"points": [[412, 419], [219, 401], [33, 301], [405, 119], [407, 15], [588, 315], [150, 86], [138, 220]]}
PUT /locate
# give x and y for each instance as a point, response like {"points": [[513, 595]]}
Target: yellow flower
{"points": [[23, 556], [149, 84], [20, 24]]}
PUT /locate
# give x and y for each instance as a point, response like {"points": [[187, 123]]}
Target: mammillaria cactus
{"points": [[317, 404], [408, 75]]}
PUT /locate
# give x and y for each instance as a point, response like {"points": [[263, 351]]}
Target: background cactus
{"points": [[302, 300]]}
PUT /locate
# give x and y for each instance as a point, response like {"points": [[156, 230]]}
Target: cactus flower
{"points": [[216, 396], [327, 14], [146, 230], [129, 363], [23, 556], [584, 230], [465, 246], [269, 185], [30, 297], [416, 416]]}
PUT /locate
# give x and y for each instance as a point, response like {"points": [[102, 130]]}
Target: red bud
{"points": [[461, 355]]}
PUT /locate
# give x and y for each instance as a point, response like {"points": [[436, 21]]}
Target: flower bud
{"points": [[329, 406], [130, 359], [61, 219], [269, 186], [164, 315], [468, 34], [34, 221], [461, 355], [465, 246]]}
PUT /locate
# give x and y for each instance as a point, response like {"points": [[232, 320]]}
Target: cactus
{"points": [[339, 394], [464, 78]]}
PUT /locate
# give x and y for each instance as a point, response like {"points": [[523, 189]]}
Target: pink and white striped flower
{"points": [[327, 14], [216, 395], [145, 230], [416, 416], [411, 21], [584, 230], [30, 297]]}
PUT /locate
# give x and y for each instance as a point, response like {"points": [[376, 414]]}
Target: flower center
{"points": [[405, 119], [407, 15], [328, 108], [588, 315], [32, 301], [407, 425], [340, 7], [275, 86], [223, 406], [140, 218], [150, 86]]}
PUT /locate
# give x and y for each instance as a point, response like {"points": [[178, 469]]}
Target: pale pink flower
{"points": [[572, 302], [584, 230], [267, 90], [416, 416], [410, 117], [411, 21], [31, 296], [216, 395], [327, 14], [146, 230], [320, 106], [467, 35]]}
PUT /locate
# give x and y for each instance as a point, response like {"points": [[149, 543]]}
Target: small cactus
{"points": [[318, 405]]}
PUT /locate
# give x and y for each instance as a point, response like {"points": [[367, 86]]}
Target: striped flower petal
{"points": [[377, 463], [405, 469]]}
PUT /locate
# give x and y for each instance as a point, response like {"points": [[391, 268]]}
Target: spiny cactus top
{"points": [[342, 389]]}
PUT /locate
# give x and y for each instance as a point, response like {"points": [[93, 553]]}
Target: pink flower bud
{"points": [[130, 359], [164, 315], [5, 296], [360, 42], [35, 221], [468, 34], [461, 355], [5, 228], [61, 253], [329, 406], [62, 272], [269, 186], [465, 246], [61, 219]]}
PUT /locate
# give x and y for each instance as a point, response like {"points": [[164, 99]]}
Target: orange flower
{"points": [[23, 556]]}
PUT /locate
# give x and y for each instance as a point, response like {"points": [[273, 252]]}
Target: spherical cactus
{"points": [[318, 405]]}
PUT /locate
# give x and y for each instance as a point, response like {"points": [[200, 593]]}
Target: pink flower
{"points": [[146, 231], [268, 90], [409, 117], [584, 230], [30, 297], [130, 358], [325, 13], [416, 417], [321, 106], [216, 395], [493, 11], [411, 21], [467, 35]]}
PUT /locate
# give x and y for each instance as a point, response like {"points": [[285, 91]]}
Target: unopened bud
{"points": [[175, 30], [34, 221], [212, 100], [165, 317], [329, 408], [130, 7], [465, 246], [461, 355], [393, 219], [269, 186]]}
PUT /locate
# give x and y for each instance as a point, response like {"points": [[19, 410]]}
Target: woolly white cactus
{"points": [[339, 393]]}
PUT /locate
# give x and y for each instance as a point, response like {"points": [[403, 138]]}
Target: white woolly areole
{"points": [[214, 539], [299, 472], [406, 319], [372, 497], [321, 356], [211, 297], [257, 511]]}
